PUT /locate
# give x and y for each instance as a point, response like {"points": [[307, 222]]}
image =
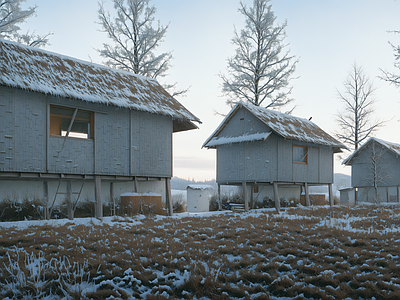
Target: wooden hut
{"points": [[375, 171], [70, 127], [266, 149]]}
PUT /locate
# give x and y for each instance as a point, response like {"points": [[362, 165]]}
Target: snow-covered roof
{"points": [[284, 125], [216, 141], [199, 187], [42, 71], [393, 147]]}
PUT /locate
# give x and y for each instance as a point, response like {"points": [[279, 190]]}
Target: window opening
{"points": [[62, 119], [300, 154]]}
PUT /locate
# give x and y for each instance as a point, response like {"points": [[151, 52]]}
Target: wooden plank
{"points": [[398, 193], [252, 197], [245, 196], [46, 199], [307, 196], [219, 197], [47, 136], [70, 206], [276, 197], [112, 196], [98, 198], [168, 197], [331, 203]]}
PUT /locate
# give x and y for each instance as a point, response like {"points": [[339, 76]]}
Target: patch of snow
{"points": [[200, 187], [216, 141]]}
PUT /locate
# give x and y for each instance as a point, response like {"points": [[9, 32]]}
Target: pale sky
{"points": [[327, 36]]}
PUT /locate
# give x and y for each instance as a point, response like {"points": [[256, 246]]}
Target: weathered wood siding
{"points": [[151, 144], [243, 122], [272, 160], [388, 169], [22, 131], [125, 142]]}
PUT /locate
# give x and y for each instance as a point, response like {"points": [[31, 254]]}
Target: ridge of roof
{"points": [[47, 72], [393, 147], [287, 126]]}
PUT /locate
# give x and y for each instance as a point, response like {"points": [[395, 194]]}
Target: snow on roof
{"points": [[216, 141], [393, 147], [55, 74], [200, 187], [286, 126]]}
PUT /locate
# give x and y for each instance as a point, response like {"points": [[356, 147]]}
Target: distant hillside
{"points": [[340, 181]]}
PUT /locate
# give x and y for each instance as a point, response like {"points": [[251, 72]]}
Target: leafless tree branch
{"points": [[261, 69]]}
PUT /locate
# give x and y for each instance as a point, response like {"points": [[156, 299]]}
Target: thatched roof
{"points": [[284, 125], [42, 71]]}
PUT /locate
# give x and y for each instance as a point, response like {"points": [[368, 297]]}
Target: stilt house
{"points": [[71, 129], [375, 171], [264, 149]]}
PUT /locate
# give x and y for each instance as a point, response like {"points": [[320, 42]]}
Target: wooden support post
{"points": [[276, 197], [70, 205], [112, 198], [331, 203], [168, 198], [245, 196], [307, 196], [398, 193], [252, 198], [356, 195], [136, 185], [219, 198], [99, 200], [46, 200]]}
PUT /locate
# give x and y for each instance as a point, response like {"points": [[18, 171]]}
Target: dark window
{"points": [[300, 154], [60, 121]]}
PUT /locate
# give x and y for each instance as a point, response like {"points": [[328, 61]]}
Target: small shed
{"points": [[375, 171], [198, 197], [258, 147], [348, 195]]}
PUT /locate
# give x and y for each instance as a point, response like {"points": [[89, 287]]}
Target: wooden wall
{"points": [[126, 142], [388, 168]]}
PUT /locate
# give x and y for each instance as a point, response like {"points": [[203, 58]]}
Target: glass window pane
{"points": [[61, 111], [83, 115], [299, 154], [60, 119]]}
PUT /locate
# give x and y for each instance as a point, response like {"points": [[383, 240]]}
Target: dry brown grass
{"points": [[318, 253]]}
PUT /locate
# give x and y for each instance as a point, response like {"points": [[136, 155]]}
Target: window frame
{"points": [[305, 162], [53, 128]]}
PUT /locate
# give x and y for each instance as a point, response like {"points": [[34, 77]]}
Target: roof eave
{"points": [[221, 126], [183, 125]]}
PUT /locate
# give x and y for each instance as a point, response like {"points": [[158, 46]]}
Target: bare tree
{"points": [[33, 39], [376, 173], [355, 121], [11, 15], [260, 71], [389, 76], [135, 40]]}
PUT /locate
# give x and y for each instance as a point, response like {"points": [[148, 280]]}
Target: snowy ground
{"points": [[314, 253]]}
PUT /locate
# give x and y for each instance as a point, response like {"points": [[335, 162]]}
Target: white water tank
{"points": [[198, 197]]}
